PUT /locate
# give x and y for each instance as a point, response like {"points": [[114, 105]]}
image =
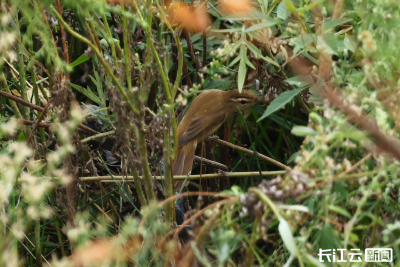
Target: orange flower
{"points": [[235, 6], [193, 19]]}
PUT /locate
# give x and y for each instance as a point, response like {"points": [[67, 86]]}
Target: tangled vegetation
{"points": [[91, 93]]}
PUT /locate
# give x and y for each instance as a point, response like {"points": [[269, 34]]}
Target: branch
{"points": [[183, 177], [364, 123], [35, 107], [251, 152]]}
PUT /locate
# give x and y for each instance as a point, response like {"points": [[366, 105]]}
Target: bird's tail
{"points": [[183, 162]]}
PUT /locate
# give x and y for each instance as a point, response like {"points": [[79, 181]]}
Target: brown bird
{"points": [[208, 111]]}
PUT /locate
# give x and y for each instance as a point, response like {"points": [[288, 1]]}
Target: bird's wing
{"points": [[198, 129]]}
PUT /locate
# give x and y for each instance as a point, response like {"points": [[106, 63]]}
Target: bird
{"points": [[207, 112]]}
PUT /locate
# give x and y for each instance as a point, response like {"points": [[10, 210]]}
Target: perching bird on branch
{"points": [[208, 111]]}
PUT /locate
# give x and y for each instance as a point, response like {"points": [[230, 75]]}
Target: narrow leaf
{"points": [[80, 60], [350, 43], [248, 63], [100, 91], [295, 207], [329, 42], [265, 24], [42, 80], [335, 22], [292, 157], [287, 237], [339, 210], [314, 261], [303, 131], [242, 69], [283, 12], [234, 61], [229, 30], [87, 93], [257, 53], [300, 81], [280, 102], [290, 6], [264, 5], [289, 261]]}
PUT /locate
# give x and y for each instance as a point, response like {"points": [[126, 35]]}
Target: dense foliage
{"points": [[91, 95]]}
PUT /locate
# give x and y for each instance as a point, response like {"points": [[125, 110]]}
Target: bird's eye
{"points": [[243, 102]]}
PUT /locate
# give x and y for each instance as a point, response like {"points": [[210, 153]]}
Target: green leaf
{"points": [[100, 89], [257, 53], [234, 61], [282, 122], [265, 24], [124, 192], [350, 43], [290, 6], [315, 97], [313, 4], [218, 84], [280, 102], [287, 237], [80, 60], [329, 42], [295, 207], [252, 15], [229, 30], [293, 157], [314, 261], [264, 5], [303, 131], [340, 211], [283, 11], [42, 80], [248, 63], [300, 81], [88, 93], [242, 69], [235, 191], [304, 40], [354, 134], [272, 6], [335, 22], [21, 137]]}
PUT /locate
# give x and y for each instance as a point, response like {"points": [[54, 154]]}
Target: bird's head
{"points": [[243, 100]]}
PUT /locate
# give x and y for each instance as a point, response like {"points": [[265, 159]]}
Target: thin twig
{"points": [[97, 136], [183, 177], [21, 101], [197, 63], [357, 164], [22, 243], [211, 163], [42, 114], [63, 37], [248, 151], [35, 107]]}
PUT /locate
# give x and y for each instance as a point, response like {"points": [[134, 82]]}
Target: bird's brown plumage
{"points": [[208, 111]]}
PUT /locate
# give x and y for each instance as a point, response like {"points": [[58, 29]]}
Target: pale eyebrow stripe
{"points": [[239, 99]]}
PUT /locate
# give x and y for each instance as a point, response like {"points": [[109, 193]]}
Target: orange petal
{"points": [[193, 19], [235, 6]]}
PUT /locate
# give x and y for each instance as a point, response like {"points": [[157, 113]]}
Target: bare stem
{"points": [[183, 177]]}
